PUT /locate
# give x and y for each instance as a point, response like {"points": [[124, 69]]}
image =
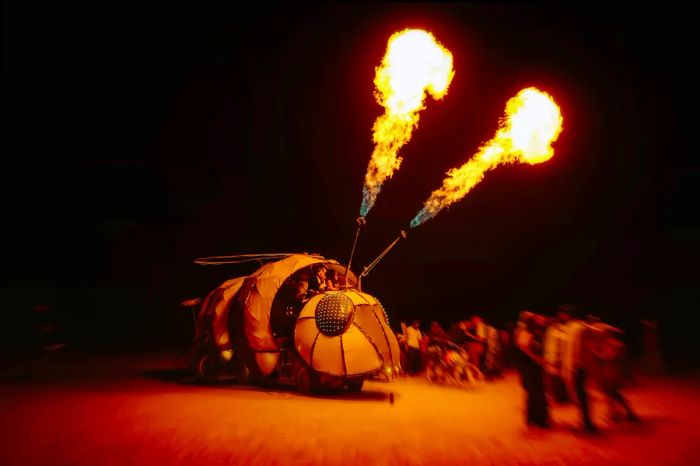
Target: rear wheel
{"points": [[305, 380]]}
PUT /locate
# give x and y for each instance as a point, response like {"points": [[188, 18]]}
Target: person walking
{"points": [[477, 341], [554, 341], [492, 363], [577, 362], [528, 358], [612, 355]]}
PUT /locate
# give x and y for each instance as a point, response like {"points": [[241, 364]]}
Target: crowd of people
{"points": [[485, 345], [559, 358]]}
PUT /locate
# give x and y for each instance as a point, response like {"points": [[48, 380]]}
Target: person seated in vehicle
{"points": [[317, 283], [332, 283], [286, 307]]}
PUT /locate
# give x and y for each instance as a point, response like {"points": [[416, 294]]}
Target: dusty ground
{"points": [[152, 415]]}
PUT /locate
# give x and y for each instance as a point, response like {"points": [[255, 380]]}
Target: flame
{"points": [[531, 124], [414, 62]]}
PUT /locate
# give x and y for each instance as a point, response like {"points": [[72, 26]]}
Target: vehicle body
{"points": [[265, 328]]}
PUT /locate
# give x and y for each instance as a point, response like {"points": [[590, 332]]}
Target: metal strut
{"points": [[368, 268], [360, 223]]}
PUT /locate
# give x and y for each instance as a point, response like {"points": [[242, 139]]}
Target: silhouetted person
{"points": [[528, 355], [457, 334], [493, 360], [611, 355], [413, 346], [475, 330], [577, 363], [554, 345]]}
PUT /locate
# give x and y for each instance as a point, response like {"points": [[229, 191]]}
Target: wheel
{"points": [[463, 377], [474, 377], [240, 371], [430, 373], [208, 367], [355, 385], [435, 373], [306, 381], [454, 377]]}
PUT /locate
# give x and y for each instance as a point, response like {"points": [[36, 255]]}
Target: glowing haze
{"points": [[413, 64], [531, 124]]}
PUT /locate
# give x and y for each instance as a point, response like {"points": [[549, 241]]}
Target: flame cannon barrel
{"points": [[367, 269], [360, 223]]}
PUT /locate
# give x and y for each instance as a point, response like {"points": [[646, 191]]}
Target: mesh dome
{"points": [[334, 313]]}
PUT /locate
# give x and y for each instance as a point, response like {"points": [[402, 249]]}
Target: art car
{"points": [[267, 327]]}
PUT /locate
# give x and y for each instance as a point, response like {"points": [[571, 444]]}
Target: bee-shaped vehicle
{"points": [[266, 328]]}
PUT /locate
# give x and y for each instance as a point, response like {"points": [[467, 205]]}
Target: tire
{"points": [[241, 372], [208, 367], [473, 376], [355, 385], [463, 377], [430, 373], [438, 374], [305, 380]]}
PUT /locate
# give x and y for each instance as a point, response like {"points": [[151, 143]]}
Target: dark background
{"points": [[139, 138]]}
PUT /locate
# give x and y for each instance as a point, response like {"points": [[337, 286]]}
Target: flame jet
{"points": [[531, 124], [414, 62]]}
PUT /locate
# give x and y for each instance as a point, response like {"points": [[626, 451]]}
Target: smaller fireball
{"points": [[531, 124]]}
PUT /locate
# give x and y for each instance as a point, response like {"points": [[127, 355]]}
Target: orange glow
{"points": [[531, 124], [413, 64]]}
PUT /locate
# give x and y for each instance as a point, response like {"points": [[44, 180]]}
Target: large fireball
{"points": [[414, 63]]}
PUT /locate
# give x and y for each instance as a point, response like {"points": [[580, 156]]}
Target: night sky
{"points": [[139, 138]]}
